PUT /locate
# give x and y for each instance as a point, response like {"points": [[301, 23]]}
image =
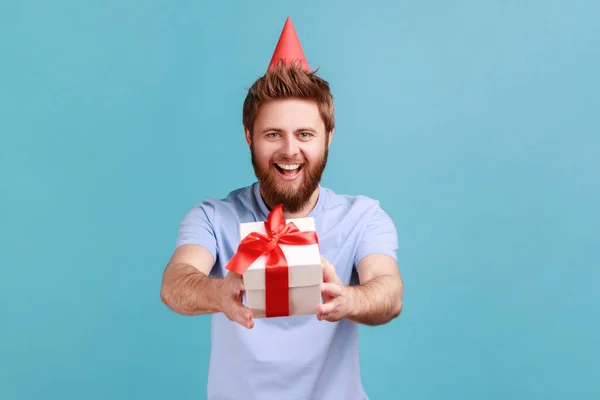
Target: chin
{"points": [[287, 185]]}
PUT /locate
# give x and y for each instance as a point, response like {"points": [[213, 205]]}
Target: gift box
{"points": [[280, 262]]}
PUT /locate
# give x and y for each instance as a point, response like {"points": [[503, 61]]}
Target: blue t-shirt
{"points": [[294, 357]]}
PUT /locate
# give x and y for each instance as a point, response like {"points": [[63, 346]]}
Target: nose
{"points": [[290, 146]]}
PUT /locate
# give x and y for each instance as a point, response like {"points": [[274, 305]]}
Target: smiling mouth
{"points": [[288, 172]]}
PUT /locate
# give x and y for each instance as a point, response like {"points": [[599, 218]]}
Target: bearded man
{"points": [[288, 118]]}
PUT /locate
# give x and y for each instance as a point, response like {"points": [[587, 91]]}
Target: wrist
{"points": [[208, 293], [353, 302], [217, 290]]}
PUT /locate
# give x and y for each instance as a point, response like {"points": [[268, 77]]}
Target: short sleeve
{"points": [[379, 237], [197, 228]]}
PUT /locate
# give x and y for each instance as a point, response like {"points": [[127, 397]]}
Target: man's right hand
{"points": [[230, 296]]}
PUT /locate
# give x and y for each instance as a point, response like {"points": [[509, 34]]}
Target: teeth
{"points": [[289, 167]]}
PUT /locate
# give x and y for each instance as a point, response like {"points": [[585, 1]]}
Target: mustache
{"points": [[288, 161]]}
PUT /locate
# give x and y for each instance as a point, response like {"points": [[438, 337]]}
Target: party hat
{"points": [[288, 48]]}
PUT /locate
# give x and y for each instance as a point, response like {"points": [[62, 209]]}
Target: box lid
{"points": [[304, 262]]}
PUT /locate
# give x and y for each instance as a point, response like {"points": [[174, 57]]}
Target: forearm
{"points": [[188, 291], [377, 301]]}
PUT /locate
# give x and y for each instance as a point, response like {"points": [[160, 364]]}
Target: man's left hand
{"points": [[337, 298]]}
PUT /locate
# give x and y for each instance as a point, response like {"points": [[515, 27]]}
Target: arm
{"points": [[188, 290], [186, 287], [378, 298], [376, 301]]}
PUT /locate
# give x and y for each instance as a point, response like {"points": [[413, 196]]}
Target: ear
{"points": [[248, 137], [330, 138]]}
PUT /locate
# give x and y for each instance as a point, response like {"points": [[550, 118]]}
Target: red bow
{"points": [[276, 268]]}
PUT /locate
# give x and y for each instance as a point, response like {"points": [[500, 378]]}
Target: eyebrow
{"points": [[306, 129]]}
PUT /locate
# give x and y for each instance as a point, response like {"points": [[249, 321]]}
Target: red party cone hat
{"points": [[288, 48]]}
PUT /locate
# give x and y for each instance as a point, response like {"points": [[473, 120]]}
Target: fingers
{"points": [[327, 308], [235, 285], [235, 278], [331, 289], [329, 274], [327, 312], [234, 308], [243, 316]]}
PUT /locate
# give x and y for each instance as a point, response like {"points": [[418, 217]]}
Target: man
{"points": [[288, 118]]}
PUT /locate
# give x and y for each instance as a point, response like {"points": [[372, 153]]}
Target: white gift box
{"points": [[305, 273]]}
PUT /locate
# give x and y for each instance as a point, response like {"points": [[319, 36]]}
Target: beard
{"points": [[292, 198]]}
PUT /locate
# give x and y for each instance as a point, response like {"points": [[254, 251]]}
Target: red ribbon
{"points": [[276, 268]]}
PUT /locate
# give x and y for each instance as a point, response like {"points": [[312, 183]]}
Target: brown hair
{"points": [[289, 81]]}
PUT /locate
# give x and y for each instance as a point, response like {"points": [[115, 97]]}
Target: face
{"points": [[289, 148]]}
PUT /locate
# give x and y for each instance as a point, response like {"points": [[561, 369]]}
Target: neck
{"points": [[304, 212]]}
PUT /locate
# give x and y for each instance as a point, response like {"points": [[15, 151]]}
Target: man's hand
{"points": [[375, 301], [230, 300], [337, 299]]}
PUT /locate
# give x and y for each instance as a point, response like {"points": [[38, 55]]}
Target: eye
{"points": [[305, 135]]}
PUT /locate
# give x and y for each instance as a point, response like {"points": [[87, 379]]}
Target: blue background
{"points": [[475, 123]]}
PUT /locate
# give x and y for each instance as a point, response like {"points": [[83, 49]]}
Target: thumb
{"points": [[329, 274]]}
